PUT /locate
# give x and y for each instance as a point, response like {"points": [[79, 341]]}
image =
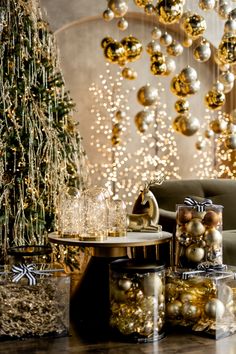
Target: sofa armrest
{"points": [[167, 220]]}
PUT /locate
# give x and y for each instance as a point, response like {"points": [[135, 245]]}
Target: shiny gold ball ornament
{"points": [[208, 133], [230, 26], [175, 123], [133, 48], [124, 284], [192, 87], [147, 95], [230, 141], [200, 145], [129, 73], [153, 47], [215, 99], [115, 52], [227, 48], [194, 253], [173, 309], [119, 7], [120, 115], [188, 74], [142, 3], [149, 9], [195, 227], [122, 24], [174, 49], [202, 52], [206, 5], [181, 106], [105, 41], [166, 39], [215, 309], [156, 33], [218, 86], [188, 125], [194, 25], [187, 42], [224, 10], [108, 15], [213, 237], [170, 66], [143, 119], [169, 11], [218, 125], [158, 64]]}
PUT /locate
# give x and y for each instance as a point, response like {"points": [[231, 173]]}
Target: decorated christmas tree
{"points": [[40, 146]]}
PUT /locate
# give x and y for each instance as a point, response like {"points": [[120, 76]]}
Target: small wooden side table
{"points": [[90, 301]]}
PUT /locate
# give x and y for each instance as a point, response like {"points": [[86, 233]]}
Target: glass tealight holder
{"points": [[69, 223], [94, 215], [117, 218]]}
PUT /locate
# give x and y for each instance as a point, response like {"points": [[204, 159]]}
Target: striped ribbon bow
{"points": [[29, 271], [199, 205]]}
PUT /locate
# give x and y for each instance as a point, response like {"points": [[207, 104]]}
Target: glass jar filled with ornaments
{"points": [[137, 300], [198, 237]]}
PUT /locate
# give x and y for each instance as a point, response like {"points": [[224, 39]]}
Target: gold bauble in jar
{"points": [[211, 218], [147, 95], [152, 285], [124, 284], [188, 296], [195, 227], [227, 48], [170, 291], [194, 253], [215, 309], [175, 49], [173, 309], [218, 125], [213, 237], [191, 311], [158, 68], [194, 25], [133, 48], [169, 11], [119, 7], [215, 99], [230, 141], [189, 125], [129, 74], [181, 106], [115, 52]]}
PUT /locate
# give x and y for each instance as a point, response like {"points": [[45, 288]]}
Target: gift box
{"points": [[34, 301], [203, 301], [198, 237]]}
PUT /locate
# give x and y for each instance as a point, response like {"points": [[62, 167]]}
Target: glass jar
{"points": [[117, 218], [198, 237], [137, 299]]}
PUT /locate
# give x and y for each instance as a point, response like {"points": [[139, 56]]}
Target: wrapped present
{"points": [[203, 301], [34, 301], [198, 237]]}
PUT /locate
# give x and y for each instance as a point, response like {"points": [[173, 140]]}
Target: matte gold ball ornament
{"points": [[194, 253], [169, 11], [194, 25], [129, 73], [147, 95], [133, 48], [214, 99]]}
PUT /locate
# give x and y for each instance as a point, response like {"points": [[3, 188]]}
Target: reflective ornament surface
{"points": [[181, 106], [147, 95], [133, 48], [200, 145], [105, 41], [108, 15], [142, 3], [149, 9], [226, 77], [230, 26], [169, 11], [194, 25], [224, 10], [227, 48], [115, 52], [202, 52], [153, 47], [206, 5], [215, 99], [188, 125], [166, 39], [143, 119], [122, 24], [129, 73], [175, 49], [218, 125], [119, 7], [158, 67], [170, 66], [230, 141], [156, 33], [188, 74]]}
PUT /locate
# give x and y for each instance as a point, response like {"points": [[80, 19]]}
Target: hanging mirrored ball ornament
{"points": [[119, 7], [215, 99], [142, 3], [143, 119], [232, 14], [169, 11], [149, 9], [229, 87], [202, 52], [129, 73], [158, 64], [230, 26], [153, 47], [226, 77], [175, 123], [208, 133], [170, 66], [200, 145], [108, 15], [181, 106], [194, 25], [187, 42], [230, 141], [115, 52], [223, 10], [188, 74], [218, 125], [147, 95], [133, 48], [177, 87], [156, 33], [218, 86], [105, 41], [189, 125], [206, 5], [166, 39], [227, 48], [120, 115], [122, 24], [174, 49]]}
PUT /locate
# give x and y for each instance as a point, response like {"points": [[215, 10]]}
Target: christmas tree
{"points": [[40, 146]]}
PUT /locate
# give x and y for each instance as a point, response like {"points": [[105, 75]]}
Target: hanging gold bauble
{"points": [[218, 86], [133, 48], [129, 74], [227, 49], [147, 95], [115, 52], [120, 115], [215, 99], [169, 11], [116, 129], [158, 68], [200, 144], [153, 47], [166, 39], [108, 15], [175, 123], [158, 57], [224, 10], [149, 9], [143, 119], [175, 49], [232, 116], [142, 3], [202, 52], [115, 140], [181, 106], [188, 125], [188, 74], [232, 14], [119, 7], [226, 77], [230, 141], [218, 125], [105, 41], [229, 87], [156, 33], [206, 5], [177, 87], [122, 24], [194, 25], [208, 133], [170, 66], [187, 42], [191, 88], [230, 26]]}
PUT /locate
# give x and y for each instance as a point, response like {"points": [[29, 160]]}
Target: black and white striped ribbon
{"points": [[200, 206], [29, 271]]}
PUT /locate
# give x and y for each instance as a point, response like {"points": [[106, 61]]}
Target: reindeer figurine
{"points": [[149, 217]]}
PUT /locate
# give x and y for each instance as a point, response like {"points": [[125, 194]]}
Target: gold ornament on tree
{"points": [[169, 11]]}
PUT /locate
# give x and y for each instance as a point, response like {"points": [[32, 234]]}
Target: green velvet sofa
{"points": [[220, 191]]}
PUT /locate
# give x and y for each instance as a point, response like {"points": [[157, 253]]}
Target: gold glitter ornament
{"points": [[218, 125], [119, 7], [230, 141], [175, 49], [133, 48], [194, 253], [122, 24], [115, 52], [215, 309], [169, 11], [215, 99], [227, 48], [105, 41], [166, 39], [206, 5], [181, 106], [129, 74], [202, 52], [153, 47], [194, 25], [147, 95], [108, 15], [188, 125]]}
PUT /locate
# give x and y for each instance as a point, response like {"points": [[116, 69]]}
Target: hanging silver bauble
{"points": [[218, 86], [166, 39], [156, 33], [202, 52], [122, 24], [188, 74], [206, 5], [192, 87], [149, 9], [187, 42], [142, 3], [119, 7], [147, 95], [226, 77], [189, 125], [218, 125], [230, 141], [229, 87], [226, 51], [108, 15], [200, 144], [230, 26], [232, 116], [153, 47], [224, 67], [170, 66], [232, 14], [143, 119], [224, 10], [175, 49]]}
